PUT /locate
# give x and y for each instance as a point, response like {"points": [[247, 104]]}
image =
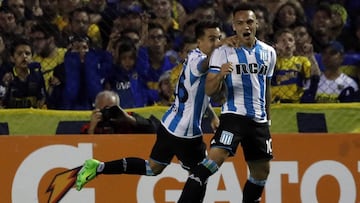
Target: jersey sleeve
{"points": [[272, 62], [195, 62], [218, 57]]}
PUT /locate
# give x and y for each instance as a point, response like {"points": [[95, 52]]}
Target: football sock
{"points": [[125, 166], [195, 186], [253, 190]]}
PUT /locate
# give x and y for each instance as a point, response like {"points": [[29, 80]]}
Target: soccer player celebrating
{"points": [[246, 71], [180, 131]]}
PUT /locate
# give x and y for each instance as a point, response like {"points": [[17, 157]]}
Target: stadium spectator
{"points": [[8, 25], [293, 75], [5, 66], [102, 15], [134, 36], [109, 118], [152, 61], [224, 11], [19, 9], [303, 40], [162, 14], [124, 79], [335, 86], [85, 70], [189, 43], [44, 38], [49, 11], [320, 27], [25, 85], [79, 25], [162, 11], [340, 28], [288, 15], [264, 30], [166, 91]]}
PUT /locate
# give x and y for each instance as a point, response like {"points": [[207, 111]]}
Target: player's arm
{"points": [[230, 41], [214, 81]]}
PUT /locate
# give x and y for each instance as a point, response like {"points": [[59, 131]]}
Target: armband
{"points": [[269, 122]]}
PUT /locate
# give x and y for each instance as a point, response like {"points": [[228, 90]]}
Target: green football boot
{"points": [[87, 173]]}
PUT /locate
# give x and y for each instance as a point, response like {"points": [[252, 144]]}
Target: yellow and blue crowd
{"points": [[58, 54]]}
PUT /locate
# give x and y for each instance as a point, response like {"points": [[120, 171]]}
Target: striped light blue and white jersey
{"points": [[183, 119], [246, 85]]}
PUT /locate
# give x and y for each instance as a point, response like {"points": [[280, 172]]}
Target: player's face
{"points": [[210, 40], [245, 24]]}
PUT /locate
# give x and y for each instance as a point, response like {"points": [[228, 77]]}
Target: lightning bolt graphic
{"points": [[61, 184]]}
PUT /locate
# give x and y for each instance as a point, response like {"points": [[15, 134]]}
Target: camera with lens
{"points": [[110, 115]]}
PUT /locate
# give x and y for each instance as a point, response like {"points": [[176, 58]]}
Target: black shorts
{"points": [[254, 137], [189, 151]]}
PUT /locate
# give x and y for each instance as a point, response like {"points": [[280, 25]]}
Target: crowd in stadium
{"points": [[59, 54]]}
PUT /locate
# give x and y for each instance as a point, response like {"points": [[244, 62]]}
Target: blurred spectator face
{"points": [[156, 40], [321, 22], [134, 37], [18, 8], [132, 21], [49, 7], [262, 25], [97, 5], [66, 6], [127, 60], [80, 23], [40, 43], [301, 35], [27, 27], [22, 56], [331, 58], [161, 8], [286, 16], [205, 13], [336, 20], [7, 22], [165, 89], [285, 43], [187, 47], [82, 47]]}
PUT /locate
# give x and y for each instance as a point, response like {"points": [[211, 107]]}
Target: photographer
{"points": [[109, 118]]}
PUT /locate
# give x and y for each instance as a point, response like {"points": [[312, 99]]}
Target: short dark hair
{"points": [[280, 32], [244, 7], [125, 44], [202, 25], [18, 42], [48, 29]]}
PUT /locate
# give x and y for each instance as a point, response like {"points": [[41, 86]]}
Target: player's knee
{"points": [[153, 168], [259, 170]]}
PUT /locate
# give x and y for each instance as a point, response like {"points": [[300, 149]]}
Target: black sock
{"points": [[125, 166], [195, 186], [252, 192]]}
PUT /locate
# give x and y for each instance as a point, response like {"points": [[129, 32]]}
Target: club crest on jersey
{"points": [[264, 56]]}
